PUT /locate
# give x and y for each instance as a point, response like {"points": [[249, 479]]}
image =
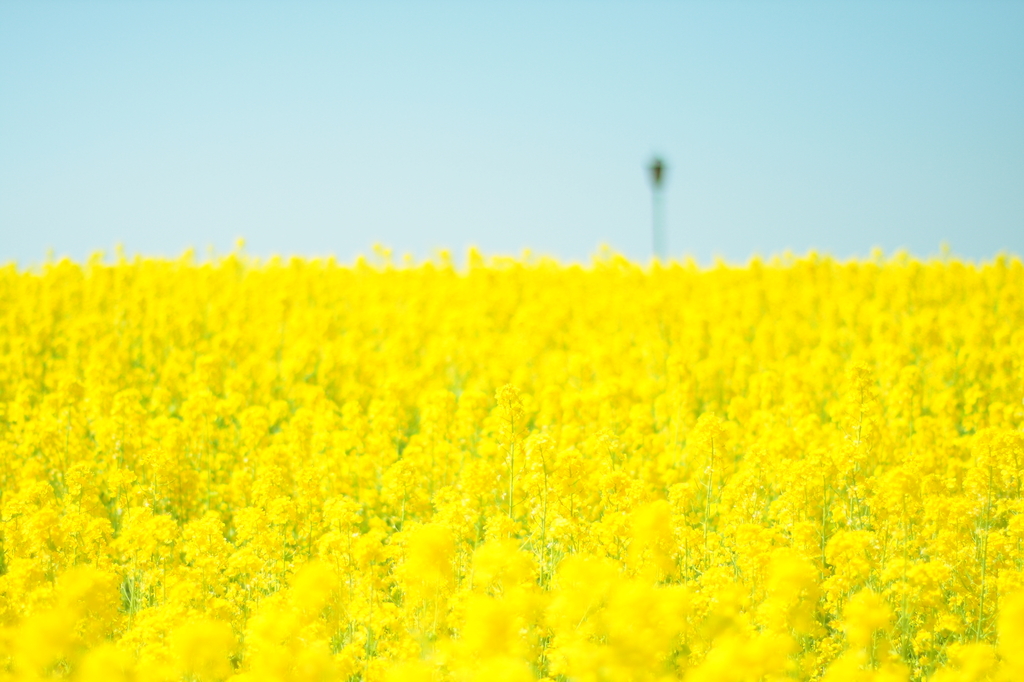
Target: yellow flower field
{"points": [[800, 469]]}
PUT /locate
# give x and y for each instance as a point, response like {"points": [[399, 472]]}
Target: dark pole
{"points": [[657, 170]]}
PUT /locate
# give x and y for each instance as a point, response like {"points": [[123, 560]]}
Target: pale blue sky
{"points": [[322, 128]]}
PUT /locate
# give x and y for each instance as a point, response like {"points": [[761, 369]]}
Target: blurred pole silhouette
{"points": [[657, 170]]}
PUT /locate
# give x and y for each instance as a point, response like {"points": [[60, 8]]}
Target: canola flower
{"points": [[799, 469]]}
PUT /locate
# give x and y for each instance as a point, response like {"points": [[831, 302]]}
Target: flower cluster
{"points": [[799, 469]]}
